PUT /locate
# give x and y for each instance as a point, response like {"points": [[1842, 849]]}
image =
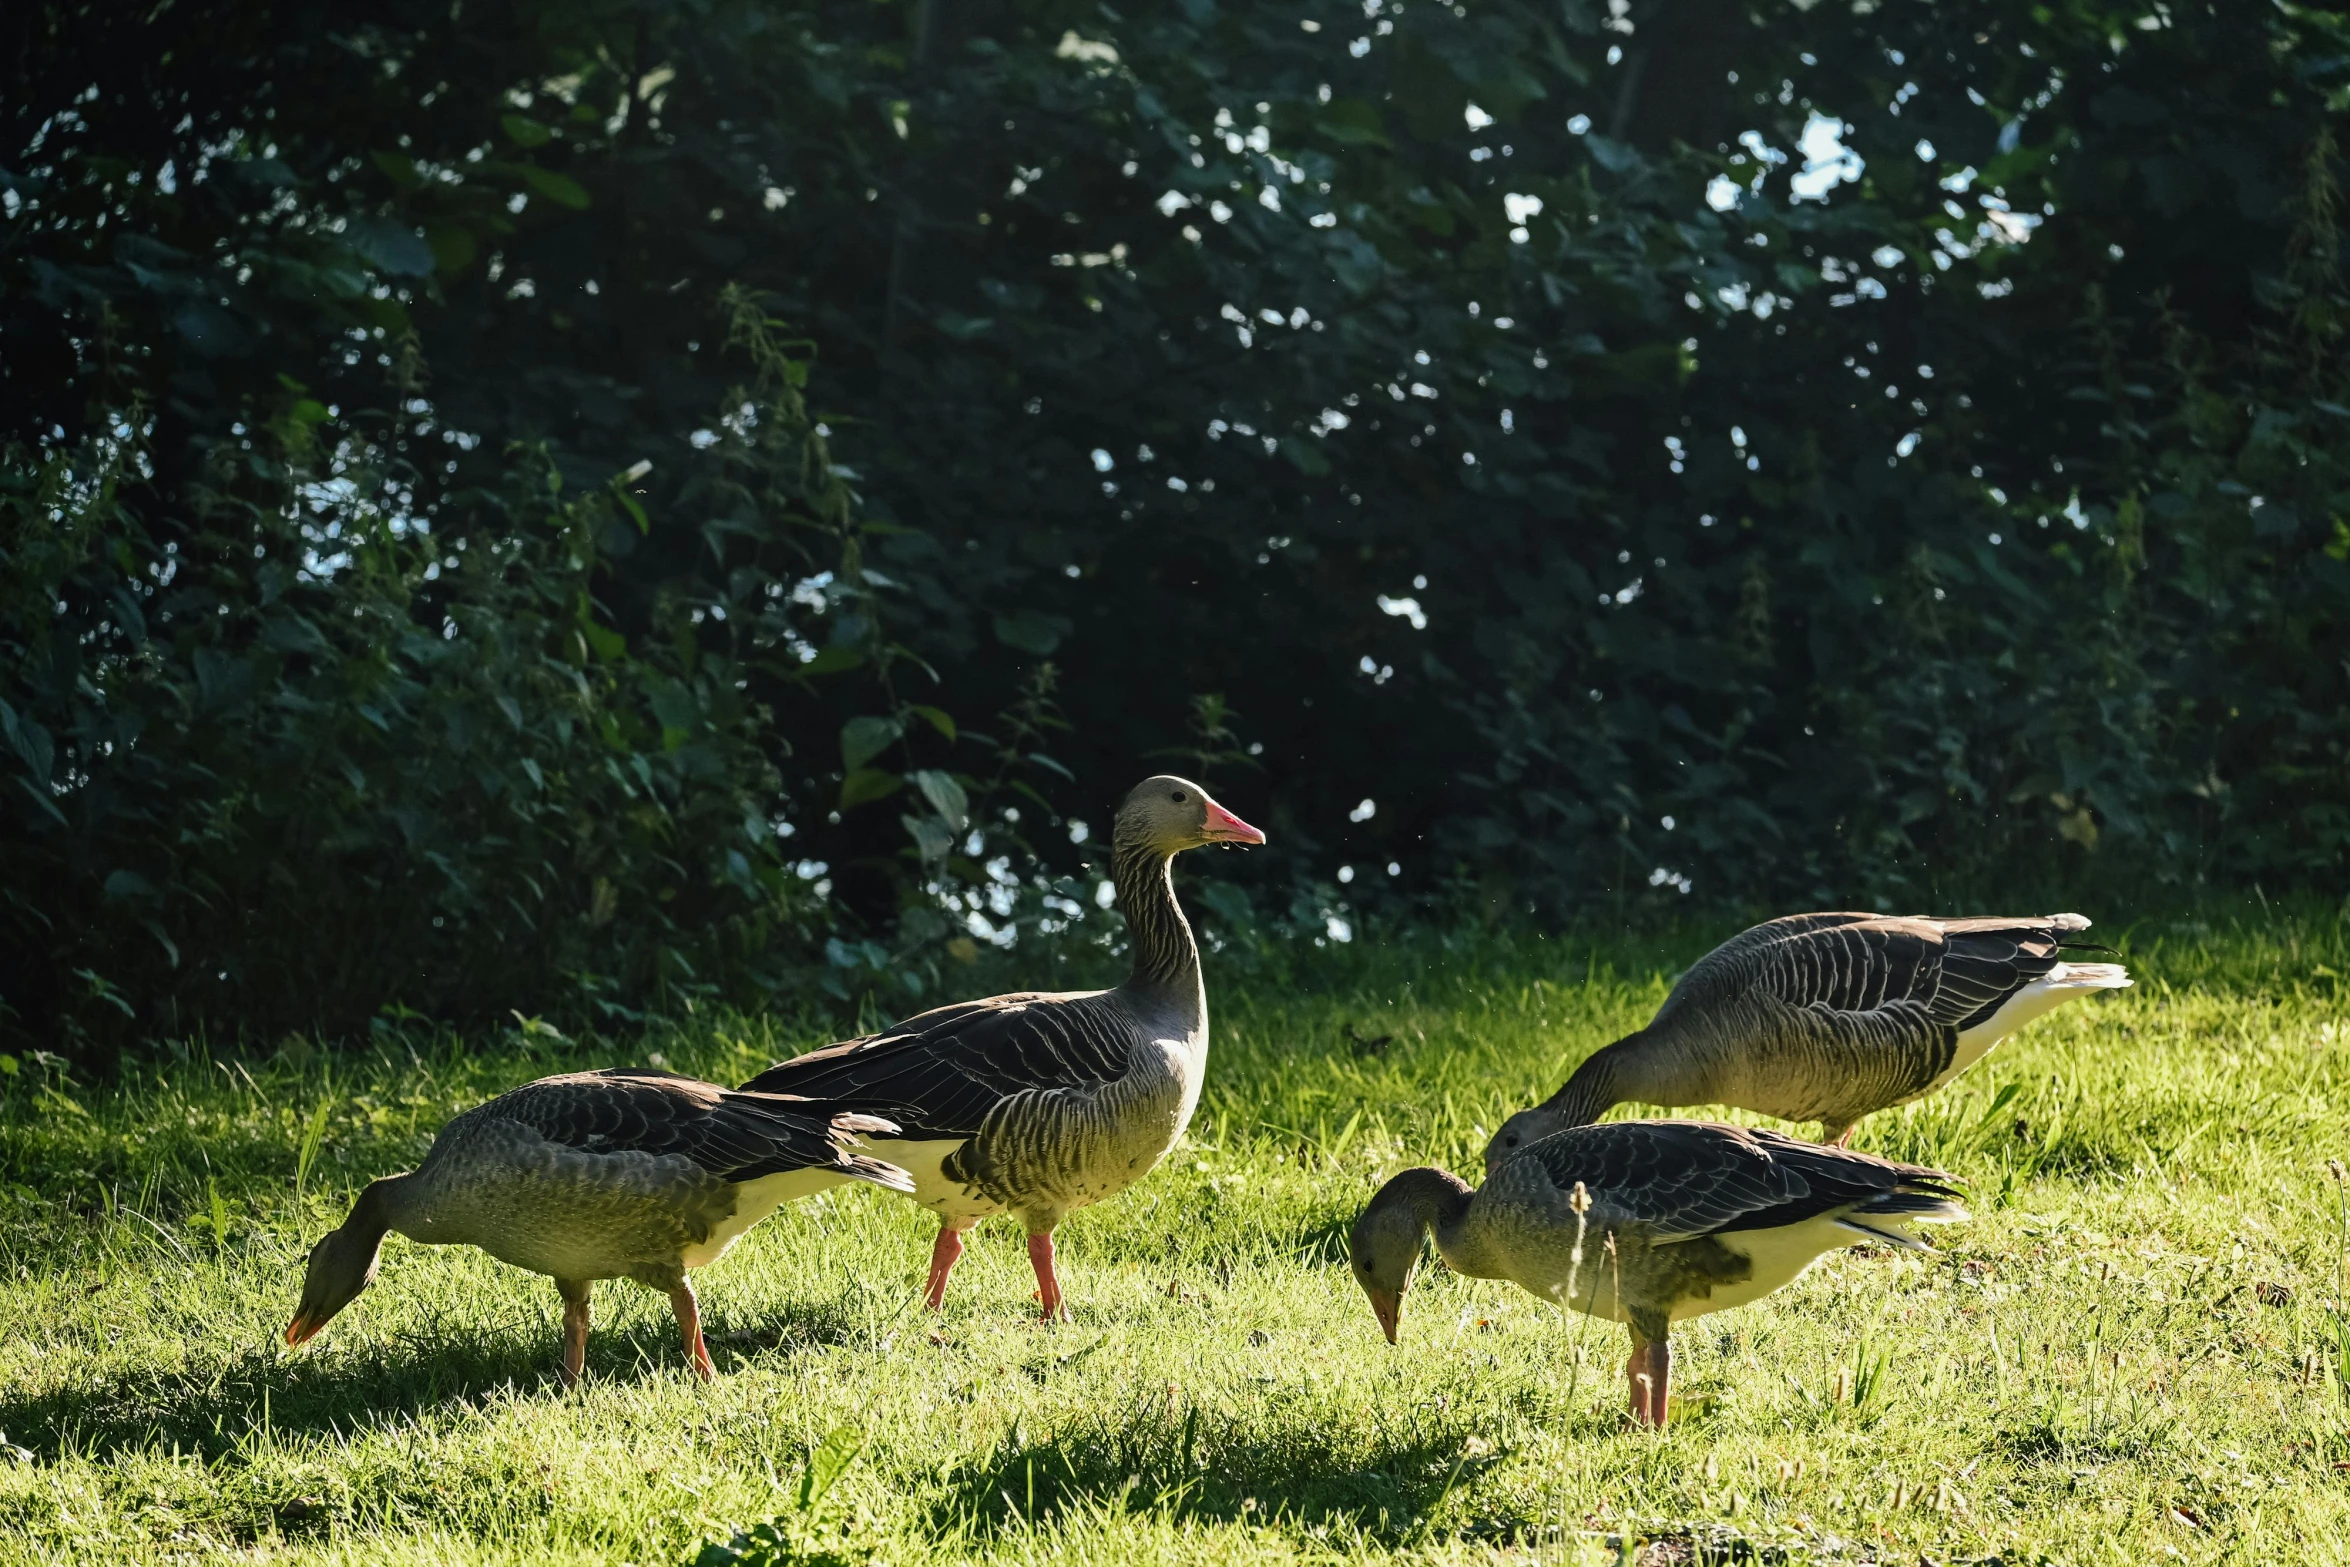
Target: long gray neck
{"points": [[1437, 1200], [1166, 959], [394, 1202], [1610, 1076]]}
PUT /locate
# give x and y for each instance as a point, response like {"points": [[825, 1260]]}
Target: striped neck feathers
{"points": [[1611, 1075], [1165, 956]]}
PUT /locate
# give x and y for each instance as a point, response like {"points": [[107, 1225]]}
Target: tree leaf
{"points": [[453, 248], [1351, 122], [1031, 631], [560, 189], [832, 660], [946, 797], [932, 837], [862, 739], [868, 784], [391, 247]]}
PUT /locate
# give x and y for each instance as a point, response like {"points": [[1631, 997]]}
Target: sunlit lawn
{"points": [[2132, 1354]]}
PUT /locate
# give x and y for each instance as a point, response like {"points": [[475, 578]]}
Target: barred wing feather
{"points": [[940, 1073], [734, 1136], [1682, 1179]]}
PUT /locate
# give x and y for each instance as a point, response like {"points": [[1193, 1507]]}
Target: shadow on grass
{"points": [[216, 1404], [1681, 1544], [2065, 1436], [1192, 1462], [1215, 1242], [848, 1319]]}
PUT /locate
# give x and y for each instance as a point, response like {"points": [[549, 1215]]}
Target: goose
{"points": [[621, 1173], [1035, 1104], [1829, 1017], [1645, 1223]]}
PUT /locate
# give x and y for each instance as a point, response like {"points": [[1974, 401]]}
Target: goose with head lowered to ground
{"points": [[1645, 1223], [1828, 1018], [1035, 1104], [625, 1173]]}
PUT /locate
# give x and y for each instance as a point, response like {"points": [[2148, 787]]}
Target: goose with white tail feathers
{"points": [[1828, 1018], [1645, 1223]]}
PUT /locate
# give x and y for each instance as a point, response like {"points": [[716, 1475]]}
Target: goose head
{"points": [[1169, 814], [1384, 1251], [1521, 1131], [341, 1265]]}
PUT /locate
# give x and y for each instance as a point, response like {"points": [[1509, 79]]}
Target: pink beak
{"points": [[302, 1330], [1388, 1309], [1224, 827]]}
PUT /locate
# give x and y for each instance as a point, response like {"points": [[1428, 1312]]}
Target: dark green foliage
{"points": [[1204, 369], [311, 759], [328, 686], [1701, 571]]}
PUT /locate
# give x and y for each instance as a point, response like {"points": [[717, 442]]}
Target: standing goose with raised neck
{"points": [[625, 1173], [1828, 1018], [1035, 1104], [1645, 1223]]}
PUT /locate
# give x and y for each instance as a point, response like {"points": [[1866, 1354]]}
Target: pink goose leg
{"points": [[942, 1261], [689, 1326], [1650, 1372], [575, 1328], [1048, 1282]]}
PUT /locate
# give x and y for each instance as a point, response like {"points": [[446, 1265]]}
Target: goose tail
{"points": [[1890, 1235], [851, 1124], [863, 1167], [848, 1129], [1920, 1200], [2088, 976]]}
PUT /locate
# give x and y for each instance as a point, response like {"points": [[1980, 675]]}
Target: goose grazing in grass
{"points": [[1035, 1104], [1828, 1017], [627, 1173], [1645, 1223]]}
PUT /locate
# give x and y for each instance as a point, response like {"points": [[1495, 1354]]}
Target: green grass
{"points": [[2132, 1355]]}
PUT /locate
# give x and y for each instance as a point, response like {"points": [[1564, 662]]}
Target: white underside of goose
{"points": [[2041, 996], [948, 1198], [753, 1201], [1780, 1256], [1776, 1258]]}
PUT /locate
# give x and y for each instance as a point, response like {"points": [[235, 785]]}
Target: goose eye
{"points": [[1510, 1141], [1177, 797]]}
